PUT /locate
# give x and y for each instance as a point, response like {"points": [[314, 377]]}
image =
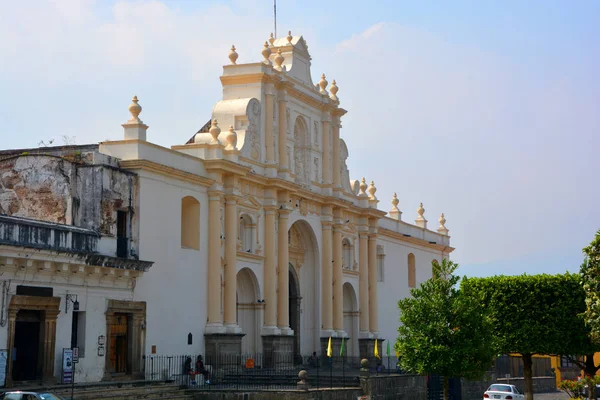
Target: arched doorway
{"points": [[295, 307], [248, 309], [351, 319], [304, 287]]}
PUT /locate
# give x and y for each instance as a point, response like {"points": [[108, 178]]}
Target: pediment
{"points": [[250, 202]]}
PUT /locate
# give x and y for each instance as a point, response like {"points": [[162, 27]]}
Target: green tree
{"points": [[534, 314], [590, 275], [443, 332]]}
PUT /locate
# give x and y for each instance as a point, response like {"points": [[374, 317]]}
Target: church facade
{"points": [[256, 239]]}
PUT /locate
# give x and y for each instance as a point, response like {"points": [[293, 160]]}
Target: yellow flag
{"points": [[376, 350], [329, 349]]}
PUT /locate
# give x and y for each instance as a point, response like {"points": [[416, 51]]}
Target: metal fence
{"points": [[260, 371]]}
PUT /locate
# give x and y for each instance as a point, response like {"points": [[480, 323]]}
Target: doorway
{"points": [[119, 333], [294, 312], [27, 357]]}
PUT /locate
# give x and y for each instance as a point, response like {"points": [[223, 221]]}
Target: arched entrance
{"points": [[351, 319], [248, 309], [295, 307], [303, 287]]}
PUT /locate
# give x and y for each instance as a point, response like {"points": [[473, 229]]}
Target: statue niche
{"points": [[301, 153]]}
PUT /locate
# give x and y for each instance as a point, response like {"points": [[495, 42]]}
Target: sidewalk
{"points": [[551, 396]]}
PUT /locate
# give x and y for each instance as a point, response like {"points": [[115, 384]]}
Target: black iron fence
{"points": [[260, 371]]}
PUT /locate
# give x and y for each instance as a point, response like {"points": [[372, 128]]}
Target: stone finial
{"points": [[279, 60], [442, 229], [134, 128], [266, 53], [333, 89], [214, 131], [233, 56], [421, 221], [289, 37], [271, 39], [372, 189], [323, 84], [231, 138], [303, 382], [363, 187], [395, 213], [395, 202], [135, 109]]}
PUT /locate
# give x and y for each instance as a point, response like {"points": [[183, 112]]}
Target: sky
{"points": [[485, 111]]}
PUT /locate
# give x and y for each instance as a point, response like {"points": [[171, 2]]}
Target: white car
{"points": [[502, 391]]}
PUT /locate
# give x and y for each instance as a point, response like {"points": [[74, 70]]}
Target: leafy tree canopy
{"points": [[442, 331], [590, 274]]}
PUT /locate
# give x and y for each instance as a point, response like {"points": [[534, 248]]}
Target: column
{"points": [[325, 125], [270, 278], [336, 152], [12, 319], [270, 102], [373, 304], [49, 343], [338, 279], [231, 225], [326, 273], [282, 123], [215, 320], [363, 280], [283, 278]]}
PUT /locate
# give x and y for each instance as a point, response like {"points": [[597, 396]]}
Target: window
{"points": [[246, 234], [412, 273], [78, 332], [122, 237], [380, 264], [347, 254], [567, 361], [190, 223]]}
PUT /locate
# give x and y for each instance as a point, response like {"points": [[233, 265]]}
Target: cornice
{"points": [[145, 143], [409, 239], [221, 165], [251, 256], [164, 170]]}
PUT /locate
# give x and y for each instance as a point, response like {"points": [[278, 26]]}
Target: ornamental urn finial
{"points": [[230, 138], [363, 187], [421, 221], [279, 60], [135, 109], [271, 39], [289, 37], [395, 202], [214, 131], [266, 53], [442, 229], [372, 189], [323, 84], [233, 56], [333, 89]]}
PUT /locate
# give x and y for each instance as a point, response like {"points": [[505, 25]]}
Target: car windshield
{"points": [[500, 388], [49, 396]]}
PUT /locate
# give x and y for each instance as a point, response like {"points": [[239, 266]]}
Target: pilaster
{"points": [[231, 225], [215, 318], [326, 273], [338, 275], [373, 301], [270, 274], [363, 278], [283, 261], [284, 165]]}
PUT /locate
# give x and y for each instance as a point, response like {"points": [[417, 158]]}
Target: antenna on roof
{"points": [[275, 15]]}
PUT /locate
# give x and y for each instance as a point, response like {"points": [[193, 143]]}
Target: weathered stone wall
{"points": [[68, 190], [37, 187], [400, 387]]}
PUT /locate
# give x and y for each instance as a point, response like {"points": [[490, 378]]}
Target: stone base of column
{"points": [[270, 331], [284, 174], [214, 328], [365, 335], [336, 343], [278, 350], [271, 171], [367, 350], [223, 351]]}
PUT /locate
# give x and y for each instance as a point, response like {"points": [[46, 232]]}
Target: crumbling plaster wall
{"points": [[72, 192]]}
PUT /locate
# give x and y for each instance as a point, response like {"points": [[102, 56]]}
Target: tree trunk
{"points": [[446, 387], [590, 370], [528, 376]]}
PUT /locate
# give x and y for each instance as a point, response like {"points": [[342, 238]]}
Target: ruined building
{"points": [[254, 237]]}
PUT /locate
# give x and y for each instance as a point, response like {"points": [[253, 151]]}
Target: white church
{"points": [[252, 237]]}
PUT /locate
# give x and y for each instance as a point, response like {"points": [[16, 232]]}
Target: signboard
{"points": [[3, 364], [75, 355], [101, 340], [100, 351], [67, 373]]}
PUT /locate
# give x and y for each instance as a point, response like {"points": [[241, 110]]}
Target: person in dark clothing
{"points": [[201, 370]]}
